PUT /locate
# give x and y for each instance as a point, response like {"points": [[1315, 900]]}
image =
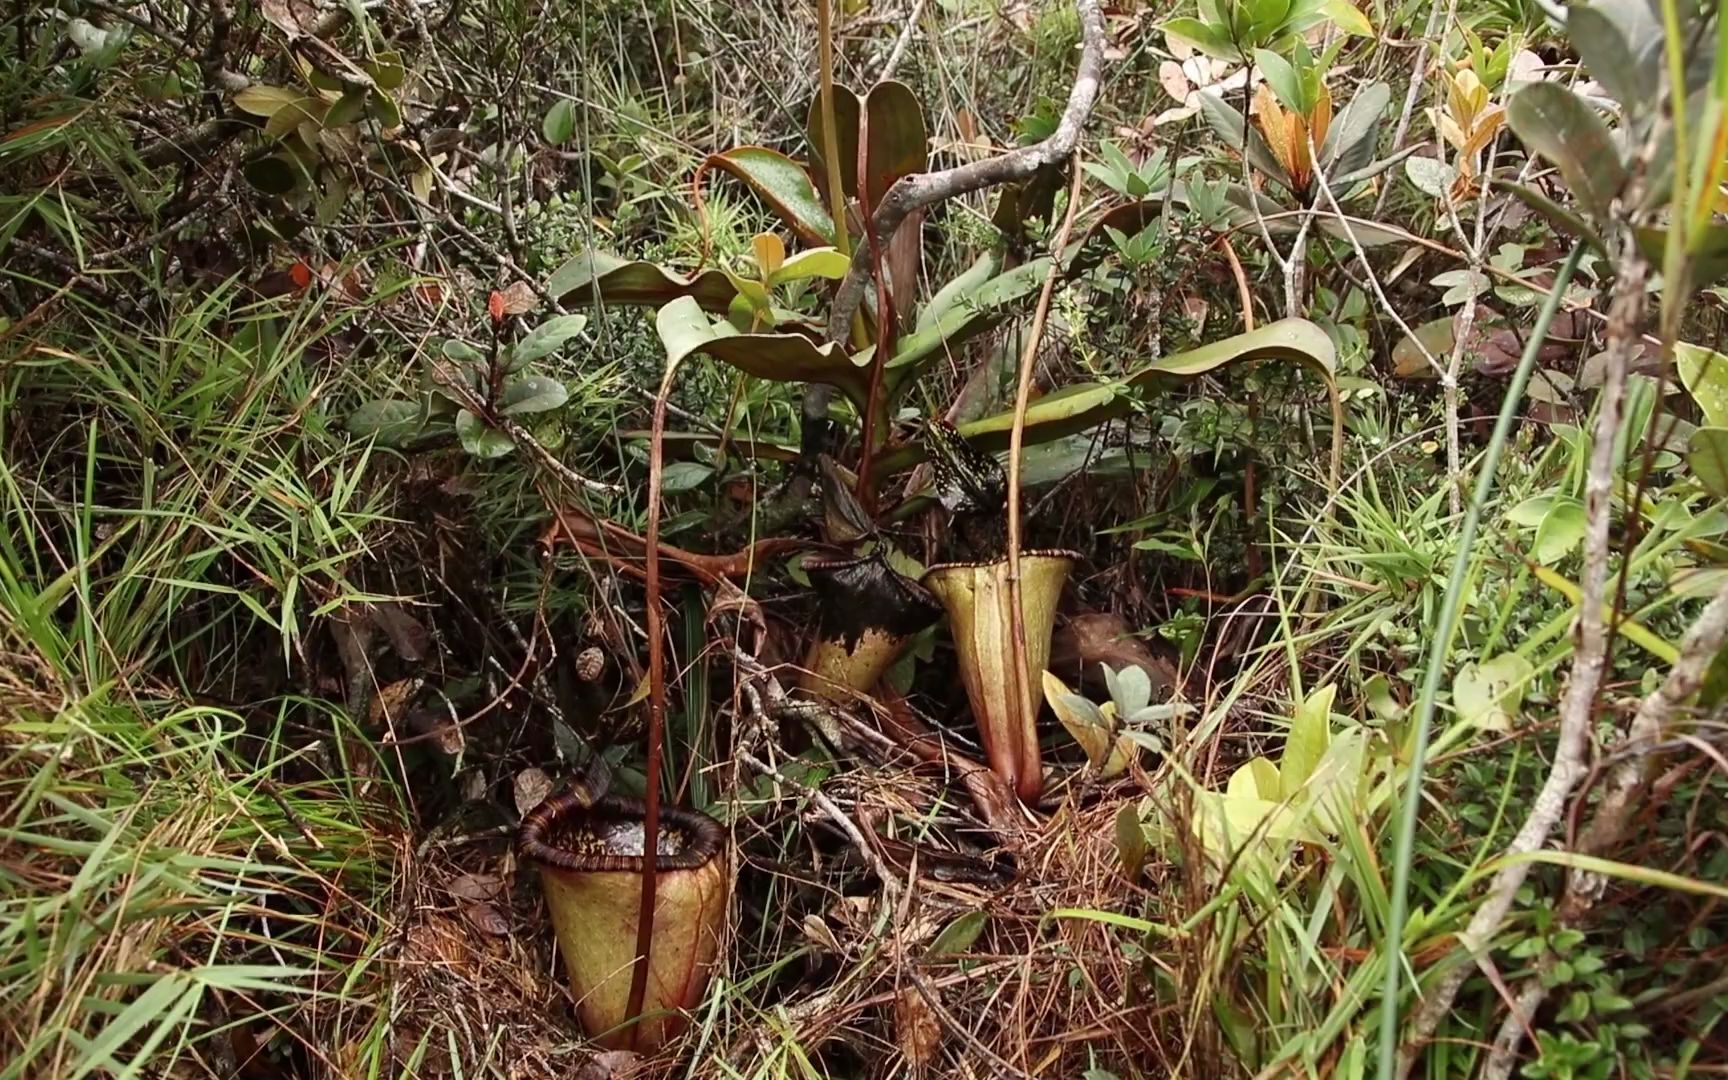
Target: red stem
{"points": [[656, 710], [866, 491]]}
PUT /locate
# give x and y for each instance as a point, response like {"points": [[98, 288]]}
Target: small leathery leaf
{"points": [[590, 663]]}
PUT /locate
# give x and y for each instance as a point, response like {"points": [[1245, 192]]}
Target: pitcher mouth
{"points": [[567, 834], [1041, 553]]}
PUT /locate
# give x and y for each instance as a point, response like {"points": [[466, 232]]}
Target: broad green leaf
{"points": [[1707, 455], [391, 421], [1556, 123], [272, 175], [1349, 143], [847, 113], [1436, 336], [685, 328], [683, 476], [1282, 78], [895, 138], [1705, 373], [532, 394], [1620, 42], [387, 70], [266, 101], [1212, 41], [983, 268], [1562, 529], [822, 262], [969, 315], [1258, 778], [480, 438], [545, 339], [1083, 406], [782, 183], [348, 109], [1310, 733], [599, 275], [961, 934], [1531, 511], [1431, 176], [1709, 252], [1347, 18], [559, 126], [462, 352], [754, 294], [285, 120], [1488, 694]]}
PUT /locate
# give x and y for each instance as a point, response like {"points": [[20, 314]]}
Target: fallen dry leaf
{"points": [[475, 888], [487, 919], [919, 1035], [610, 1065], [531, 788]]}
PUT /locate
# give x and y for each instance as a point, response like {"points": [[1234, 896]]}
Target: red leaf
{"points": [[300, 274], [496, 306]]}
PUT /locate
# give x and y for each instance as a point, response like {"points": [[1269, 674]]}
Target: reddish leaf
{"points": [[300, 274], [495, 306], [519, 299]]}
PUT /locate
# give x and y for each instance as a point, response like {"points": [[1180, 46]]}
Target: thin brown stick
{"points": [[1016, 440]]}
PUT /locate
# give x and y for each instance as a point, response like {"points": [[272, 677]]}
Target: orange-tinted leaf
{"points": [[495, 306], [300, 274]]}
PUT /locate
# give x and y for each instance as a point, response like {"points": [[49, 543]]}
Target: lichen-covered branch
{"points": [[1589, 658]]}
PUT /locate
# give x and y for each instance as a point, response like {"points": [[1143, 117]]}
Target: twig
{"points": [[890, 881], [1016, 441], [901, 42], [1589, 663]]}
